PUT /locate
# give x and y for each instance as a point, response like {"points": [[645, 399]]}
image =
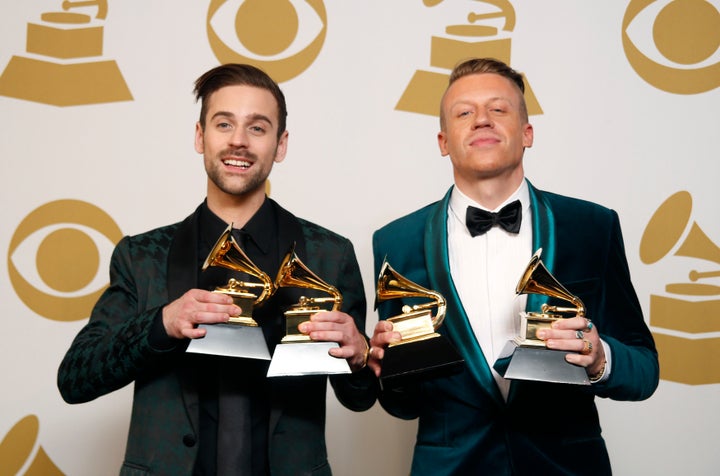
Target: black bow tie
{"points": [[480, 221]]}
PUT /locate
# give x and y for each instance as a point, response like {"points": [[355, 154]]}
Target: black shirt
{"points": [[234, 392]]}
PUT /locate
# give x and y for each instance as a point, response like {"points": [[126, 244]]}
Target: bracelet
{"points": [[366, 355], [600, 374]]}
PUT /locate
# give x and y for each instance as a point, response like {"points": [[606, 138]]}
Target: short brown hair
{"points": [[234, 74], [487, 66]]}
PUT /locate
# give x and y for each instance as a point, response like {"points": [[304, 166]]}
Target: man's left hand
{"points": [[578, 335], [336, 326]]}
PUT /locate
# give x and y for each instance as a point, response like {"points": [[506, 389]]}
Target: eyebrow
{"points": [[251, 118]]}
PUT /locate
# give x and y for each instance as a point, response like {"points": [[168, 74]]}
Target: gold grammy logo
{"points": [[62, 67], [21, 454], [55, 256], [685, 316], [274, 35], [426, 88], [683, 55]]}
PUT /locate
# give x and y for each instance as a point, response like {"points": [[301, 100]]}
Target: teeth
{"points": [[237, 163]]}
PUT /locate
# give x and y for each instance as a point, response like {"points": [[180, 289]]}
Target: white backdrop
{"points": [[608, 133]]}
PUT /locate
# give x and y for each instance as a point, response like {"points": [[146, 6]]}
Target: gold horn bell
{"points": [[227, 254], [538, 280], [293, 273], [416, 322]]}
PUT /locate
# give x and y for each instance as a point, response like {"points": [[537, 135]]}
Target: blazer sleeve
{"points": [[357, 391], [113, 348], [635, 369]]}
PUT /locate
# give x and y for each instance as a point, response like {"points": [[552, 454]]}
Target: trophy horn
{"points": [[294, 273], [393, 285], [538, 280], [227, 254]]}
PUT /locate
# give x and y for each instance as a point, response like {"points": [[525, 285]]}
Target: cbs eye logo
{"points": [[674, 44], [55, 255], [282, 37]]}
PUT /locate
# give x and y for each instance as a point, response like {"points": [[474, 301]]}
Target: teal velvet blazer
{"points": [[465, 426], [148, 271]]}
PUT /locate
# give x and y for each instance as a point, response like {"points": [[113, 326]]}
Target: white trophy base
{"points": [[306, 358]]}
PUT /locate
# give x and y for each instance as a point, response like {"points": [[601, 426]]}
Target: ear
{"points": [[199, 139], [528, 135], [282, 147], [442, 143]]}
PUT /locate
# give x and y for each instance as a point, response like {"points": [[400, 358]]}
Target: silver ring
{"points": [[579, 334]]}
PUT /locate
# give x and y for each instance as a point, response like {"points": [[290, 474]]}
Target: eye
{"points": [[59, 256], [283, 37], [258, 130], [674, 44]]}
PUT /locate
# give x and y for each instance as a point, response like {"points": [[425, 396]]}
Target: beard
{"points": [[234, 185]]}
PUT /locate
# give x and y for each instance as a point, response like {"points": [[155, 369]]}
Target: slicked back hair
{"points": [[486, 66], [235, 74]]}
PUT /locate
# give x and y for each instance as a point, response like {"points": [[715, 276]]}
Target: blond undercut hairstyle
{"points": [[486, 66]]}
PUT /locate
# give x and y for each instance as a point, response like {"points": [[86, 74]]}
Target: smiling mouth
{"points": [[243, 164]]}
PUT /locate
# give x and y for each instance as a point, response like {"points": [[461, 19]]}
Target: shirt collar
{"points": [[459, 201], [260, 228]]}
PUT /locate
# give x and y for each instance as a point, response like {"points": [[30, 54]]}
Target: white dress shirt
{"points": [[486, 270]]}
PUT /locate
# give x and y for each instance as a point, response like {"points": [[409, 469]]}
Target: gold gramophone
{"points": [[526, 357], [421, 350], [297, 354], [241, 336], [537, 280], [228, 254], [294, 273]]}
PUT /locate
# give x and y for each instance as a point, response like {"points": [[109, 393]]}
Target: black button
{"points": [[189, 440]]}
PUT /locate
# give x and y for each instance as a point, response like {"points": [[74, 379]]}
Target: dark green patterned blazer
{"points": [[465, 426], [147, 272]]}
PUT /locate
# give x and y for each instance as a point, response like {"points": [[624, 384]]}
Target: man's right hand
{"points": [[383, 335], [182, 316]]}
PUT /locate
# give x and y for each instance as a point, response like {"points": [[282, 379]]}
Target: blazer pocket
{"points": [[133, 469]]}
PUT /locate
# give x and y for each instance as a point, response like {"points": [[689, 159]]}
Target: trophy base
{"points": [[306, 358], [419, 360], [538, 363], [231, 340]]}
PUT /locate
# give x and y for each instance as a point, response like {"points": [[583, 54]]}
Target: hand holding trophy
{"points": [[526, 357], [297, 353], [240, 336], [421, 352]]}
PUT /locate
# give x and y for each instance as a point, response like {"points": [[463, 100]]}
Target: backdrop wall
{"points": [[97, 142]]}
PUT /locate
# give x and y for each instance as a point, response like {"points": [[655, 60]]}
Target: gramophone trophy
{"points": [[240, 336], [422, 353], [297, 354], [526, 357]]}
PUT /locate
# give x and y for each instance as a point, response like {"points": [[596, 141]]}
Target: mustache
{"points": [[239, 154]]}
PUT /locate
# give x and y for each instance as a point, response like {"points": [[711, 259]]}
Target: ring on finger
{"points": [[587, 347], [589, 326], [579, 334]]}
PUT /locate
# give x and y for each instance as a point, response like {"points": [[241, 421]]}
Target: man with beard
{"points": [[204, 414]]}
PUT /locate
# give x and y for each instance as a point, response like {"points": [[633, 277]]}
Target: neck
{"points": [[237, 210], [490, 193]]}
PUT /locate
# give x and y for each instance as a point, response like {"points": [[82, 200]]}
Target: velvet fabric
{"points": [[465, 426]]}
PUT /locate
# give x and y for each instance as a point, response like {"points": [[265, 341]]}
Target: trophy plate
{"points": [[518, 362], [306, 358], [231, 340]]}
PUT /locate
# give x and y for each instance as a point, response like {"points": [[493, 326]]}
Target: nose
{"points": [[482, 119], [238, 138]]}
